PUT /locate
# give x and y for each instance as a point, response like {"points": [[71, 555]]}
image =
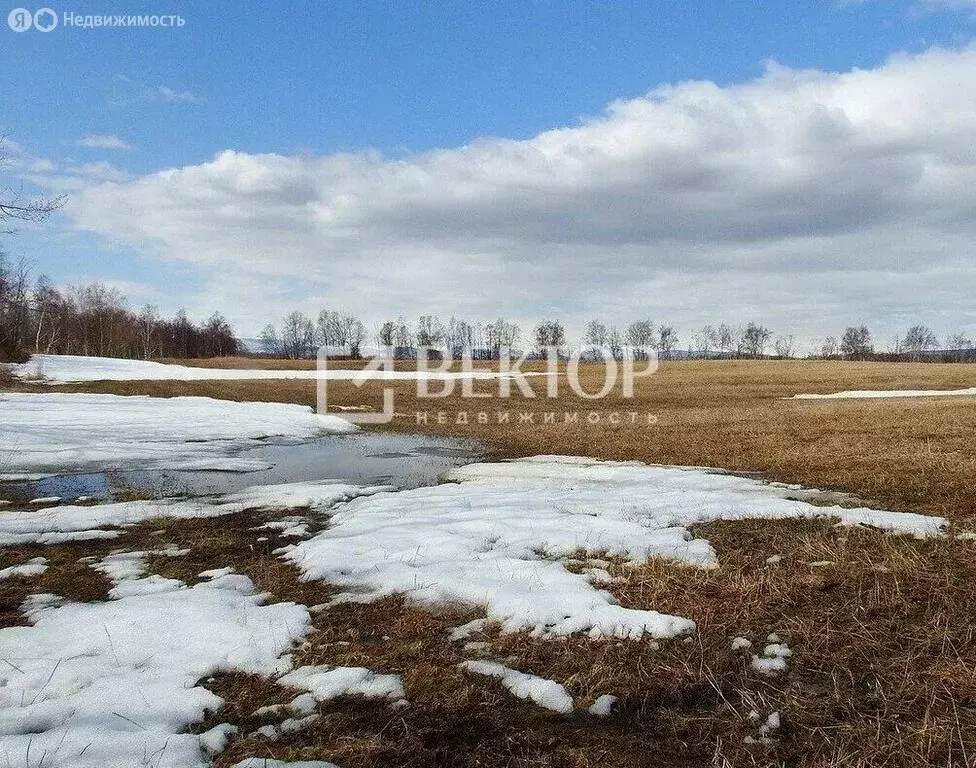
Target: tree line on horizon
{"points": [[95, 319], [299, 336]]}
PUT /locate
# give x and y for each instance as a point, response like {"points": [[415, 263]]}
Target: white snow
{"points": [[325, 683], [33, 567], [126, 570], [767, 729], [45, 500], [91, 685], [316, 496], [603, 706], [546, 693], [493, 538], [55, 431], [773, 658], [741, 644], [856, 394], [68, 368], [215, 740], [219, 464], [53, 525]]}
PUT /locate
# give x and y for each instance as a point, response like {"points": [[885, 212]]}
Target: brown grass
{"points": [[907, 454], [883, 671]]}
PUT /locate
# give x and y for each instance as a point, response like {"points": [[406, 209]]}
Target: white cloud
{"points": [[74, 177], [805, 199], [103, 142]]}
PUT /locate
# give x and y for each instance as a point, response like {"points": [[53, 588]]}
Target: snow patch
{"points": [[74, 368], [34, 567], [54, 431], [603, 706], [115, 683], [546, 693], [494, 538], [773, 659], [54, 525], [325, 683], [857, 394]]}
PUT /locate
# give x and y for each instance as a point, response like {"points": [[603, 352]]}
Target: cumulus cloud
{"points": [[96, 141], [805, 199]]}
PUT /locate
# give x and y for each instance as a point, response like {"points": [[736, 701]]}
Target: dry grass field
{"points": [[883, 671], [908, 454]]}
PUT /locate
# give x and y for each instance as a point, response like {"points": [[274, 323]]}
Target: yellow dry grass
{"points": [[914, 454], [883, 671]]}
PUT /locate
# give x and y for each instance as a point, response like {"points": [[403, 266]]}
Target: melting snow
{"points": [[33, 567], [53, 431], [115, 683], [326, 683], [53, 525], [603, 706], [494, 538], [773, 658], [875, 393], [71, 368], [546, 693]]}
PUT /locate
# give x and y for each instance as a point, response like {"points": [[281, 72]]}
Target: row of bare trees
{"points": [[95, 319], [917, 344], [299, 335]]}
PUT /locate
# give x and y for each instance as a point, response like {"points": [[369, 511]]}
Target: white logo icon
{"points": [[20, 20], [45, 20]]}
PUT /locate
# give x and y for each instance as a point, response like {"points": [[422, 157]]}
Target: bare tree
{"points": [[14, 307], [706, 340], [271, 341], [829, 348], [500, 335], [615, 342], [148, 326], [15, 206], [726, 339], [754, 339], [355, 334], [384, 336], [918, 340], [550, 334], [856, 343], [640, 336], [51, 316], [596, 334], [667, 341], [403, 340], [959, 347], [330, 329], [430, 332], [298, 336], [459, 338], [785, 347]]}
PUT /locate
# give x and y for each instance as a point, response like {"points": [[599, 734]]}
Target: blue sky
{"points": [[409, 76], [404, 79]]}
